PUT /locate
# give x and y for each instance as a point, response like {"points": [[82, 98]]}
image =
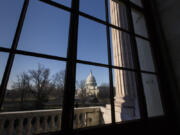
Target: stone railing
{"points": [[87, 116], [41, 121]]}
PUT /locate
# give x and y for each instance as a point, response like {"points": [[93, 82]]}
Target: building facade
{"points": [[90, 88]]}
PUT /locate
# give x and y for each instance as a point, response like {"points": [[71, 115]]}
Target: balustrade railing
{"points": [[41, 121]]}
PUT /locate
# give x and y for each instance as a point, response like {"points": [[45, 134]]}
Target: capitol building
{"points": [[90, 88]]}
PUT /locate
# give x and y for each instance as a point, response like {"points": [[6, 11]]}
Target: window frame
{"points": [[71, 60]]}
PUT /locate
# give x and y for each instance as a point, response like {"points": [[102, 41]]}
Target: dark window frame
{"points": [[71, 59]]}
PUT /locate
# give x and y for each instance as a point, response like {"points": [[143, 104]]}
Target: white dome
{"points": [[91, 81]]}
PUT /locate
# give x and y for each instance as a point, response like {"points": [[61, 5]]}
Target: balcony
{"points": [[41, 121]]}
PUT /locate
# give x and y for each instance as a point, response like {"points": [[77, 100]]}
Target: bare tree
{"points": [[58, 79], [22, 86], [104, 93], [81, 92], [58, 83], [41, 84], [38, 85], [81, 86]]}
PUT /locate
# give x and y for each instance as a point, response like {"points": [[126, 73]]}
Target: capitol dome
{"points": [[91, 81]]}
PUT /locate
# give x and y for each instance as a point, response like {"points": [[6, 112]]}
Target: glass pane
{"points": [[45, 30], [145, 55], [153, 99], [137, 2], [121, 49], [94, 8], [35, 83], [10, 11], [126, 100], [63, 2], [92, 43], [118, 14], [3, 61], [139, 23], [92, 102]]}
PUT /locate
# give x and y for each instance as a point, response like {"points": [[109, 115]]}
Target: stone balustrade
{"points": [[87, 116], [41, 121]]}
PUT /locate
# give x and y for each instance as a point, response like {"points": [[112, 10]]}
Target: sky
{"points": [[45, 30]]}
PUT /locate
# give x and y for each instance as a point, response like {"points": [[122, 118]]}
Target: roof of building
{"points": [[91, 80]]}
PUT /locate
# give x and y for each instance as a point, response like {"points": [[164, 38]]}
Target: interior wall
{"points": [[168, 13]]}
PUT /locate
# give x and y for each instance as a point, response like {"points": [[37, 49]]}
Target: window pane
{"points": [[63, 2], [118, 14], [153, 99], [121, 49], [139, 23], [92, 102], [92, 43], [137, 2], [35, 83], [126, 100], [94, 8], [3, 61], [10, 11], [45, 30], [145, 55]]}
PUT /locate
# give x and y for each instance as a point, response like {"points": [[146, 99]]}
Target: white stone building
{"points": [[90, 88]]}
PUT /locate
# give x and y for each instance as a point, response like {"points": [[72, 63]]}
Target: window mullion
{"points": [[12, 54], [110, 63], [70, 76]]}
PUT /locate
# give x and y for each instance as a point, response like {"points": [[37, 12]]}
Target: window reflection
{"points": [[137, 2], [139, 23], [152, 94], [145, 55]]}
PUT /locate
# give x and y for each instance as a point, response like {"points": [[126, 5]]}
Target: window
{"points": [[9, 21], [74, 66]]}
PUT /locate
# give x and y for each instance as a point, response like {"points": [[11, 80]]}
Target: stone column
{"points": [[125, 86]]}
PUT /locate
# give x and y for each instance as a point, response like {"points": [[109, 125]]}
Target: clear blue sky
{"points": [[46, 30]]}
